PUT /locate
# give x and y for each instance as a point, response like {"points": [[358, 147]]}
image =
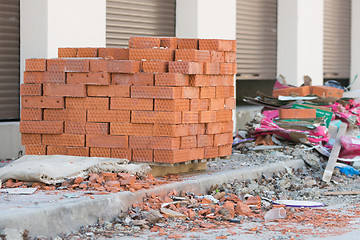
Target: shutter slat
{"points": [[256, 35], [9, 59], [337, 14], [126, 18]]}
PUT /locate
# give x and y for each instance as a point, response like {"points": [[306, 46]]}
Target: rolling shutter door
{"points": [[256, 35], [125, 18], [337, 15], [9, 59]]}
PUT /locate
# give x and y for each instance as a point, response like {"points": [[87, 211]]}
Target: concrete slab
{"points": [[51, 213]]}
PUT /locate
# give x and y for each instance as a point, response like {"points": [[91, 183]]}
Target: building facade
{"points": [[289, 37]]}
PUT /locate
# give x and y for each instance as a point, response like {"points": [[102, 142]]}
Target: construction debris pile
{"points": [[234, 208], [164, 100], [310, 115]]}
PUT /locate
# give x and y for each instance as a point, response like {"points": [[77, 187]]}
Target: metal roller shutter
{"points": [[9, 59], [337, 29], [256, 35], [125, 18]]}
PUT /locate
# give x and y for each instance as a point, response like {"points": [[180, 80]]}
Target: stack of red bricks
{"points": [[163, 100]]}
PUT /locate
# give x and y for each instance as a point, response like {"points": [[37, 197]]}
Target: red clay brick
{"points": [[297, 113], [299, 91], [78, 151], [225, 150], [207, 92], [114, 66], [199, 104], [216, 104], [169, 105], [223, 116], [131, 104], [171, 130], [68, 65], [216, 56], [199, 80], [35, 150], [188, 142], [172, 156], [35, 65], [114, 53], [75, 128], [87, 52], [87, 103], [196, 129], [156, 117], [224, 80], [109, 91], [31, 89], [143, 155], [228, 68], [144, 42], [324, 91], [92, 78], [187, 43], [211, 68], [64, 140], [168, 42], [66, 90], [190, 92], [207, 116], [205, 141], [106, 141], [97, 128], [155, 92], [143, 79], [230, 57], [215, 44], [41, 127], [190, 117], [171, 79], [233, 45], [68, 115], [211, 152], [30, 139], [227, 127], [186, 67], [197, 153], [192, 55], [131, 129], [44, 77], [32, 114], [99, 152], [155, 66], [42, 102], [121, 153], [213, 128], [230, 103], [151, 54], [108, 116], [225, 92], [223, 139], [150, 142], [67, 52], [56, 150]]}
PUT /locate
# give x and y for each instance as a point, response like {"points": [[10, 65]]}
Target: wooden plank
{"points": [[334, 154], [342, 193]]}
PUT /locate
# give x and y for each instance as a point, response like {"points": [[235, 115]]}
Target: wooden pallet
{"points": [[162, 169]]}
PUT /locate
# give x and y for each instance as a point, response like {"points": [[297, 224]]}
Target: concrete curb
{"points": [[70, 215]]}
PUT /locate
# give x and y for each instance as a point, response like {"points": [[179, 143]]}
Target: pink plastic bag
{"points": [[350, 147]]}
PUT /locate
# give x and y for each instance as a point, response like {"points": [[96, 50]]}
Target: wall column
{"points": [[300, 40]]}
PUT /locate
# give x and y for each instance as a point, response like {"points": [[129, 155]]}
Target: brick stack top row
{"points": [[161, 100]]}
